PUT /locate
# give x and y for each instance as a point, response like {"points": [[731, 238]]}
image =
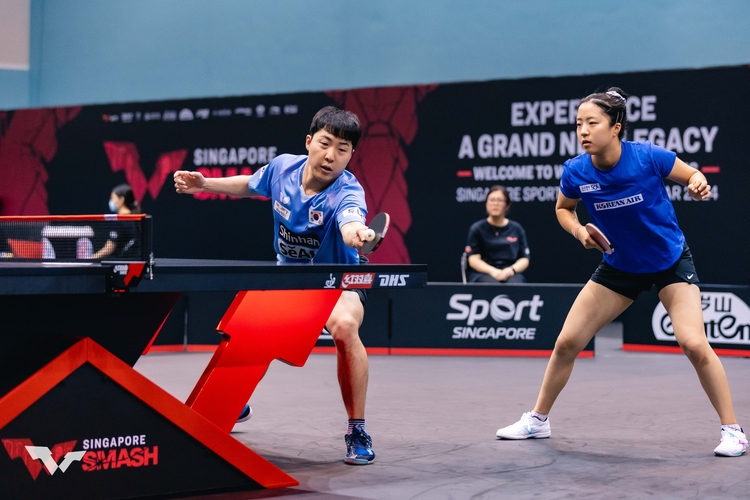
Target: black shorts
{"points": [[363, 260], [362, 295], [631, 284]]}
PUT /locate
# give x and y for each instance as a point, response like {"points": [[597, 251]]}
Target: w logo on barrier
{"points": [[37, 457], [124, 156]]}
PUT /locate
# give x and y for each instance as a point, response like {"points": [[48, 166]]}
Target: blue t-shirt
{"points": [[630, 204], [307, 226]]}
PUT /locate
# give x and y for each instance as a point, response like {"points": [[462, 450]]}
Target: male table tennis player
{"points": [[319, 217]]}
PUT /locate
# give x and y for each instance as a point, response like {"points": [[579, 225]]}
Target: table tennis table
{"points": [[77, 421]]}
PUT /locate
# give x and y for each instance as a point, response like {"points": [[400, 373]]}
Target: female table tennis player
{"points": [[319, 214], [621, 185]]}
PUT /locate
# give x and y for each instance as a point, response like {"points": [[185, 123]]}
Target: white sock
{"points": [[540, 416]]}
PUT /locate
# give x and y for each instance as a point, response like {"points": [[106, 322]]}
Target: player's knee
{"points": [[344, 328], [698, 351], [566, 347]]}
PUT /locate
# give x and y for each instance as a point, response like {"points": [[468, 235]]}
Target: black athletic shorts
{"points": [[362, 295], [631, 284], [363, 260]]}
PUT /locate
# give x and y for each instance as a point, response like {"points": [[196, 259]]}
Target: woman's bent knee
{"points": [[697, 351], [566, 347]]}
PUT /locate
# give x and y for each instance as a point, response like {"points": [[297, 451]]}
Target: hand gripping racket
{"points": [[599, 238], [376, 232]]}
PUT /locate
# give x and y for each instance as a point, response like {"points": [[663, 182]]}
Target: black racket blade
{"points": [[379, 224]]}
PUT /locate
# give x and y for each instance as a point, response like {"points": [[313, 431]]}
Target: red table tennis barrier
{"points": [[90, 392], [77, 421], [258, 327]]}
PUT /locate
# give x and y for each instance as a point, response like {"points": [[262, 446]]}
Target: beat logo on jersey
{"points": [[281, 210], [315, 217], [587, 188]]}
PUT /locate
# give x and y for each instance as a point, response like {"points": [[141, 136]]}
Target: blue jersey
{"points": [[307, 226], [630, 204]]}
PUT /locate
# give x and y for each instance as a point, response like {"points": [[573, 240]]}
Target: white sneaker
{"points": [[733, 443], [527, 427]]}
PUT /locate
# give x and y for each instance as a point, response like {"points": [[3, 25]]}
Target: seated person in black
{"points": [[497, 246], [122, 241]]}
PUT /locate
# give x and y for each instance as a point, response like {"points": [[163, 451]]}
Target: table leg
{"points": [[258, 327]]}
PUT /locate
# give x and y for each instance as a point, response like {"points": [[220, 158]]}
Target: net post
{"points": [[147, 231]]}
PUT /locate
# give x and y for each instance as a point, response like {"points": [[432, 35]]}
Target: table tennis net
{"points": [[80, 237]]}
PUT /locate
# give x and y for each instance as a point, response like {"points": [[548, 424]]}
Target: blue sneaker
{"points": [[358, 447], [246, 414]]}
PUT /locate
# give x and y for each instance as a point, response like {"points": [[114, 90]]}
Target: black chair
{"points": [[464, 266]]}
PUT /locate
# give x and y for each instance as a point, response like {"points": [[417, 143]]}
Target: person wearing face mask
{"points": [[122, 240]]}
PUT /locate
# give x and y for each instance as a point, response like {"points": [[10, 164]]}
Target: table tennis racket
{"points": [[600, 239], [376, 232]]}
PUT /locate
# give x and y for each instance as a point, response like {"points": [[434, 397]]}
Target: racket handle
{"points": [[369, 235]]}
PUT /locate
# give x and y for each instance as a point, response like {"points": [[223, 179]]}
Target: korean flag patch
{"points": [[316, 217]]}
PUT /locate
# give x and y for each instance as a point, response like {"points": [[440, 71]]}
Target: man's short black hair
{"points": [[343, 124]]}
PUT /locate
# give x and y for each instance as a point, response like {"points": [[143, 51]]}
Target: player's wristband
{"points": [[512, 269]]}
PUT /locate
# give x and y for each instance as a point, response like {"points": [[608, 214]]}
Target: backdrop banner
{"points": [[428, 156]]}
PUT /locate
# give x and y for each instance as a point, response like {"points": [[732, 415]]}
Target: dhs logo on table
{"points": [[725, 316], [392, 280]]}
